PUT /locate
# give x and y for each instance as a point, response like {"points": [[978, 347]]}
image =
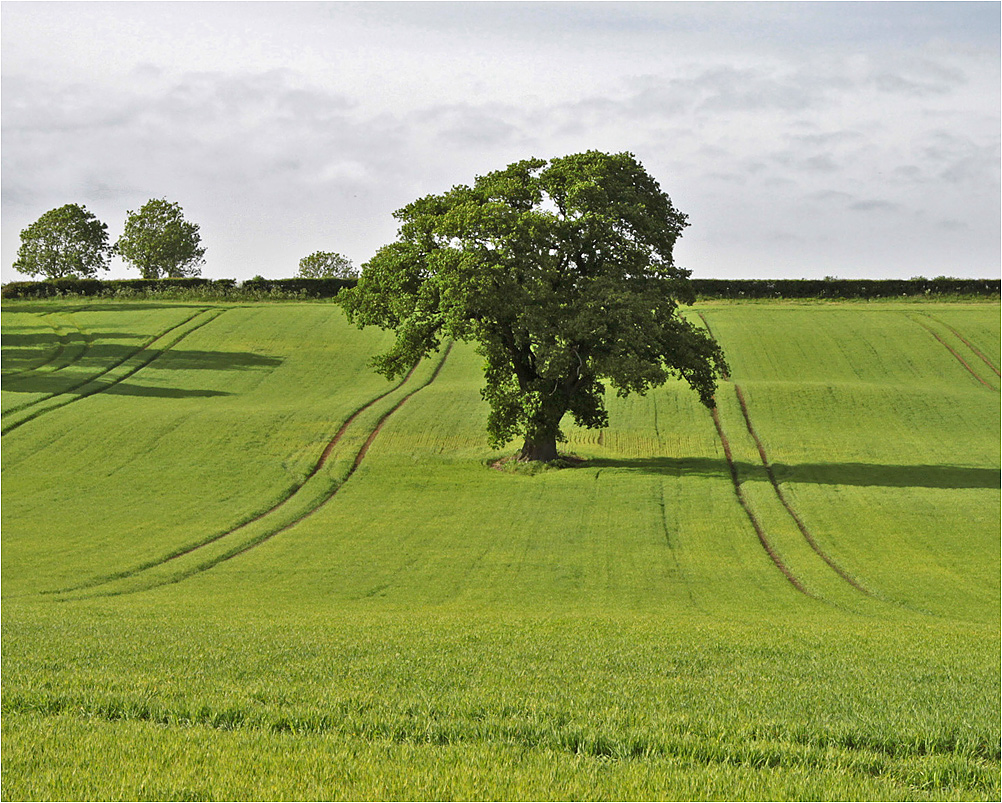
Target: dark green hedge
{"points": [[108, 287], [305, 288], [842, 288], [328, 288], [310, 288]]}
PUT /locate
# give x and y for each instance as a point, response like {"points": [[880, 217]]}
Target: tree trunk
{"points": [[542, 448], [543, 429]]}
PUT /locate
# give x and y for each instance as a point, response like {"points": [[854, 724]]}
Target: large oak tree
{"points": [[562, 273]]}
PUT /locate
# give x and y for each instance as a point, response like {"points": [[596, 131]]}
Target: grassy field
{"points": [[239, 565]]}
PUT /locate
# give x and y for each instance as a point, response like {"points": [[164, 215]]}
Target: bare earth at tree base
{"points": [[517, 464]]}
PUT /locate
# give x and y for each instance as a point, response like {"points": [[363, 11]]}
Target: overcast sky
{"points": [[802, 139]]}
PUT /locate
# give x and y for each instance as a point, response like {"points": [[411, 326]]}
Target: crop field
{"points": [[237, 564]]}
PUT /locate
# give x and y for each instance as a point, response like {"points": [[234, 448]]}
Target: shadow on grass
{"points": [[44, 338], [22, 350], [83, 304], [860, 474], [127, 389], [97, 359], [119, 388]]}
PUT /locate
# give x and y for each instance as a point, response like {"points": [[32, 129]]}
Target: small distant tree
{"points": [[326, 265], [160, 242], [68, 241]]}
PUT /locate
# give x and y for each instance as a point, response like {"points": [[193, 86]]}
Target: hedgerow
{"points": [[842, 288], [187, 288], [259, 288]]}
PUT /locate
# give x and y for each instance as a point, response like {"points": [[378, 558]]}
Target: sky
{"points": [[806, 139]]}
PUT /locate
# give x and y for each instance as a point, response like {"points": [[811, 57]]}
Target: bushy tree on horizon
{"points": [[326, 265], [160, 242], [67, 241], [562, 273]]}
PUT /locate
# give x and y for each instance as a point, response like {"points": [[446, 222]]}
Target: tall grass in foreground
{"points": [[669, 694]]}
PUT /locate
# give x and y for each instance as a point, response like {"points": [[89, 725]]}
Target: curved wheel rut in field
{"points": [[672, 545], [786, 503], [736, 481], [805, 532], [285, 498], [966, 342], [270, 532], [759, 530], [954, 352], [67, 336], [78, 343], [143, 356], [61, 344], [92, 377]]}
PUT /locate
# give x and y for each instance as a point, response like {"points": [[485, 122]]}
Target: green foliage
{"points": [[294, 288], [834, 288], [562, 273], [160, 242], [326, 265], [66, 242], [185, 288], [190, 289], [912, 289]]}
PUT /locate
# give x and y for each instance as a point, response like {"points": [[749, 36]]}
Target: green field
{"points": [[237, 564]]}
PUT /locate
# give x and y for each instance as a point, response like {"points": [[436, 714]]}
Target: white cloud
{"points": [[286, 128]]}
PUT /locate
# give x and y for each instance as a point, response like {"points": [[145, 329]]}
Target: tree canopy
{"points": [[160, 242], [326, 265], [68, 241], [562, 273]]}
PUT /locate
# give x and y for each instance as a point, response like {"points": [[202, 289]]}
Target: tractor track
{"points": [[60, 349], [87, 342], [759, 530], [786, 504], [960, 359], [672, 548], [145, 347], [736, 481], [777, 488], [286, 497], [65, 340], [379, 425], [246, 547], [101, 373], [967, 343]]}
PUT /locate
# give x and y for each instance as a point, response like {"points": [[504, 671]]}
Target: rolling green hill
{"points": [[238, 564]]}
